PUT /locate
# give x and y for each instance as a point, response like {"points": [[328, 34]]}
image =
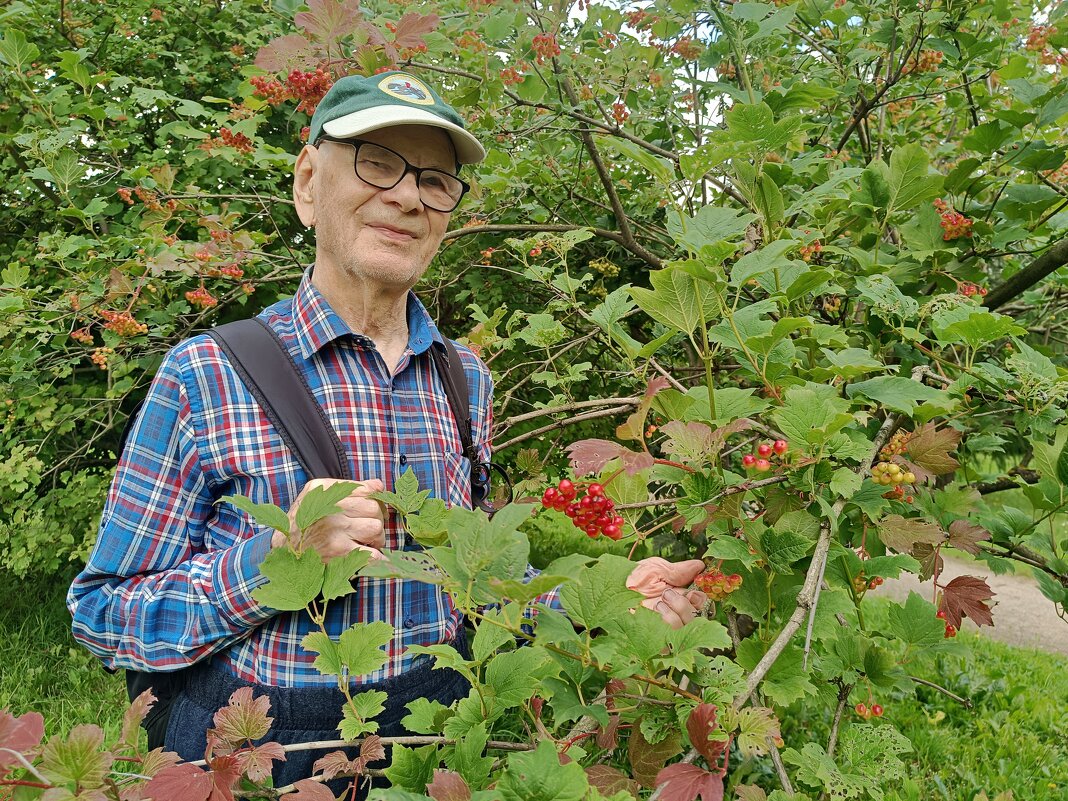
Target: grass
{"points": [[42, 668], [1013, 739]]}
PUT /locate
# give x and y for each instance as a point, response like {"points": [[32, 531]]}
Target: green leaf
{"points": [[600, 594], [974, 327], [787, 681], [322, 502], [754, 124], [467, 759], [412, 768], [1062, 466], [760, 261], [539, 776], [352, 726], [515, 676], [885, 298], [676, 299], [782, 549], [337, 579], [16, 52], [899, 393], [369, 703], [360, 647], [266, 514], [811, 414], [659, 167], [489, 637], [328, 660], [76, 759], [686, 643], [909, 180], [710, 225], [426, 716], [406, 496], [915, 624], [294, 580]]}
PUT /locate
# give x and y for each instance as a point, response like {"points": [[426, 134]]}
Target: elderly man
{"points": [[169, 584]]}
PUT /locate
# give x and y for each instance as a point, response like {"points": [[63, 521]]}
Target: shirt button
{"points": [[403, 459], [409, 623]]}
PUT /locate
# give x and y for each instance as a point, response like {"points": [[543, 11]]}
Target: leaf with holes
{"points": [[684, 782], [966, 596]]}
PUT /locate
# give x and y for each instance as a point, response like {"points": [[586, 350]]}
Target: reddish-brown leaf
{"points": [[225, 773], [371, 750], [634, 426], [334, 763], [245, 719], [19, 734], [900, 534], [682, 782], [412, 27], [285, 53], [966, 596], [967, 536], [135, 713], [700, 725], [256, 762], [611, 780], [646, 759], [929, 448], [448, 785], [309, 790], [182, 781], [329, 21], [608, 736], [156, 760], [929, 558], [750, 792]]}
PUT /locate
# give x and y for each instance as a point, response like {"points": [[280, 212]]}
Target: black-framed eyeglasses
{"points": [[384, 169]]}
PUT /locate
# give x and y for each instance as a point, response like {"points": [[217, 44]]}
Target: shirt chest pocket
{"points": [[446, 473]]}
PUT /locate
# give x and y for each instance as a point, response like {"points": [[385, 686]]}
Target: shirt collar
{"points": [[316, 324]]}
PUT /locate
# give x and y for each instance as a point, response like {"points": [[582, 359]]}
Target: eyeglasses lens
{"points": [[385, 169]]}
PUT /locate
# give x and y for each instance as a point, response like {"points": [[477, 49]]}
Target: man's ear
{"points": [[303, 184]]}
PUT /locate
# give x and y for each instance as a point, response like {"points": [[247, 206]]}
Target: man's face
{"points": [[385, 237]]}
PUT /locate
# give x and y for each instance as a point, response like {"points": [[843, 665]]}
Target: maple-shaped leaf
{"points": [[18, 734], [611, 780], [608, 736], [225, 773], [929, 447], [966, 596], [413, 27], [336, 763], [183, 781], [76, 759], [682, 782], [967, 536], [930, 559], [309, 790], [329, 21], [157, 760], [132, 717], [244, 719], [285, 53], [256, 762], [701, 725], [591, 455], [901, 534], [448, 785], [371, 750], [634, 426], [756, 726], [646, 759]]}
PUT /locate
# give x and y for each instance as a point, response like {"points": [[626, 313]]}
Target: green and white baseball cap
{"points": [[356, 105]]}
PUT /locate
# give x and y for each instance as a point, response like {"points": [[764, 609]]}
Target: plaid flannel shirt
{"points": [[170, 579]]}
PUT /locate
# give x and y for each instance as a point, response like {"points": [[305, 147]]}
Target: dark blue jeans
{"points": [[303, 714]]}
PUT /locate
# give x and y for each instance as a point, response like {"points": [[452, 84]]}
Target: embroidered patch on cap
{"points": [[406, 88]]}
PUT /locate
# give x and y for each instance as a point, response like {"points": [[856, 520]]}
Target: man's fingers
{"points": [[359, 506], [697, 599], [682, 574]]}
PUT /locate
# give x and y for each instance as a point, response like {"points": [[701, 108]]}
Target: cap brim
{"points": [[468, 149]]}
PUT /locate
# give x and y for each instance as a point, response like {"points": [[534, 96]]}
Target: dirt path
{"points": [[1023, 616]]}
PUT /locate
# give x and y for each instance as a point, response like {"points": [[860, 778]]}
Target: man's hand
{"points": [[661, 582], [359, 524]]}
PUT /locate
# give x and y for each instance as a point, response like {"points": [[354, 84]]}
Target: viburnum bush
{"points": [[782, 279]]}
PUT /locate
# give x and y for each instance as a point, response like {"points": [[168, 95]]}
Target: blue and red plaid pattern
{"points": [[170, 579]]}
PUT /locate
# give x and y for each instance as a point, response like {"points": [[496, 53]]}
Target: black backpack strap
{"points": [[269, 372]]}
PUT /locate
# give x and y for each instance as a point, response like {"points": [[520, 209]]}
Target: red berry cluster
{"points": [[866, 712], [687, 49], [231, 270], [620, 113], [82, 335], [592, 511], [122, 323], [309, 88], [969, 289], [641, 19], [270, 89], [100, 357], [954, 224], [861, 583], [1038, 37], [201, 298], [765, 451], [511, 76], [716, 585], [897, 444], [808, 251], [228, 138], [545, 47], [951, 630], [471, 40], [124, 192]]}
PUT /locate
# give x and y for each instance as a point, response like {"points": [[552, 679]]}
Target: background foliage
{"points": [[828, 221]]}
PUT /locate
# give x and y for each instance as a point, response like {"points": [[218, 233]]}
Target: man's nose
{"points": [[406, 193]]}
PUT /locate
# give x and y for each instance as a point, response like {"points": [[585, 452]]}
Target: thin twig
{"points": [[964, 701]]}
